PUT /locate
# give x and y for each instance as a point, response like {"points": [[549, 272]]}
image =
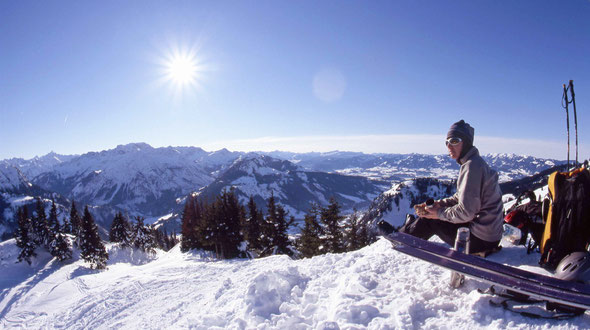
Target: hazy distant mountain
{"points": [[401, 167]]}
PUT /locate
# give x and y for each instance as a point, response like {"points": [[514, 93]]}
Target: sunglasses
{"points": [[453, 141]]}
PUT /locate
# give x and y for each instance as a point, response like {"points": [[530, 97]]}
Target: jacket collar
{"points": [[472, 152]]}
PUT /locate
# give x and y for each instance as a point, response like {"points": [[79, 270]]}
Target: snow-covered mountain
{"points": [[16, 191], [38, 165], [293, 187], [138, 179], [372, 288], [401, 167], [135, 178], [12, 179]]}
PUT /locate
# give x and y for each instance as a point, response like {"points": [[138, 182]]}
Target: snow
{"points": [[352, 198], [10, 178], [372, 288]]}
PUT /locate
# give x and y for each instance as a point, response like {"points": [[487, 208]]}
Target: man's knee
{"points": [[416, 226]]}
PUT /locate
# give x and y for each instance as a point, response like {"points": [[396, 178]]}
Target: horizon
{"points": [[52, 152], [371, 77]]}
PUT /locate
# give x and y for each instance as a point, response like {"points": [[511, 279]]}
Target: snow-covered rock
{"points": [[393, 204]]}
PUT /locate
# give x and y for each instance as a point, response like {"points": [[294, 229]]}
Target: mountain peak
{"points": [[253, 162], [133, 147], [11, 178]]}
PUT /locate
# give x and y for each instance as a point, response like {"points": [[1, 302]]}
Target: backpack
{"points": [[567, 221], [528, 218]]}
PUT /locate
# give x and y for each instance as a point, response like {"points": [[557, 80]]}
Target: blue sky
{"points": [[372, 76]]}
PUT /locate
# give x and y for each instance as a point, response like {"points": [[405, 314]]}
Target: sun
{"points": [[182, 70]]}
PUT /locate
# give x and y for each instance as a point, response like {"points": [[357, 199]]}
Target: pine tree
{"points": [[275, 229], [163, 239], [167, 240], [158, 238], [224, 218], [40, 226], [188, 229], [204, 223], [92, 249], [330, 215], [268, 227], [353, 234], [174, 239], [365, 237], [253, 226], [230, 219], [119, 232], [58, 245], [142, 236], [75, 221], [281, 240], [310, 242], [66, 228], [23, 236], [207, 230], [53, 222], [60, 248]]}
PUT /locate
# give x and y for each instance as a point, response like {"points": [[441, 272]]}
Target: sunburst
{"points": [[182, 70]]}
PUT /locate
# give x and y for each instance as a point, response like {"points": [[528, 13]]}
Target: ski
{"points": [[403, 238], [534, 285], [487, 264]]}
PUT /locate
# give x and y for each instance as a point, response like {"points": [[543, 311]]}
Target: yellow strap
{"points": [[547, 230]]}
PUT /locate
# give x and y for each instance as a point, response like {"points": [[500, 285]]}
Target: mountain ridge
{"points": [[141, 180]]}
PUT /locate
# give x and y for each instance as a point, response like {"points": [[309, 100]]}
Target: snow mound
{"points": [[271, 289], [372, 288], [118, 254]]}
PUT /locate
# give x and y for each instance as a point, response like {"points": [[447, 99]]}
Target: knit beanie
{"points": [[462, 130]]}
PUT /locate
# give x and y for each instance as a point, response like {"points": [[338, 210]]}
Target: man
{"points": [[477, 204]]}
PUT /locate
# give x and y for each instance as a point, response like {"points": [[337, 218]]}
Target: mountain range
{"points": [[140, 180]]}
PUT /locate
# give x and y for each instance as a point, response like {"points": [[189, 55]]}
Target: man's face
{"points": [[455, 150]]}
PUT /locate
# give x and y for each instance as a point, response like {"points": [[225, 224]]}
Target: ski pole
{"points": [[575, 117], [567, 118]]}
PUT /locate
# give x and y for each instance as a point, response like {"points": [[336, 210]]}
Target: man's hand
{"points": [[427, 212]]}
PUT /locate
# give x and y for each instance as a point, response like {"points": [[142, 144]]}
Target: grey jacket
{"points": [[478, 200]]}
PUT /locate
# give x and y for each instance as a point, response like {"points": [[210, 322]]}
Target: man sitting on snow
{"points": [[477, 204]]}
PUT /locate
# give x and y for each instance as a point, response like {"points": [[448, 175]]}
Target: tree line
{"points": [[41, 231], [230, 229], [224, 226]]}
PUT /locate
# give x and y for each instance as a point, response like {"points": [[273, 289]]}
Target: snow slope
{"points": [[373, 288]]}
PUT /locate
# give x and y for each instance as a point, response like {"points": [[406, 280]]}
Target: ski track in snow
{"points": [[372, 288]]}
